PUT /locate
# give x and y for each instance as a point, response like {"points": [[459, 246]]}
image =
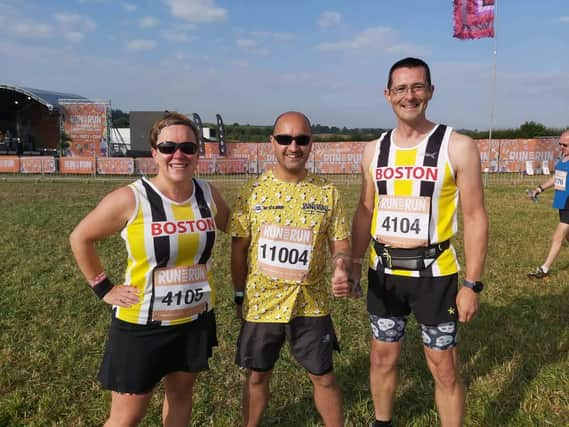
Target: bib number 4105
{"points": [[188, 297]]}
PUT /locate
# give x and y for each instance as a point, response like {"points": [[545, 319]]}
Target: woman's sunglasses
{"points": [[169, 147], [287, 139]]}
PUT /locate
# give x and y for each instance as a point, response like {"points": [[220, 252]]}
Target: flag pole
{"points": [[493, 94]]}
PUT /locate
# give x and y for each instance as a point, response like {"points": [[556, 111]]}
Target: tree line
{"points": [[322, 133]]}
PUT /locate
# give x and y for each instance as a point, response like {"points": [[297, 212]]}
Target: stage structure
{"points": [[30, 120]]}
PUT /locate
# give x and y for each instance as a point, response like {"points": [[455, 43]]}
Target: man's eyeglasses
{"points": [[564, 145], [415, 89], [169, 147], [287, 139]]}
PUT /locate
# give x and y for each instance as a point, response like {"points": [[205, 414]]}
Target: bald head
{"points": [[564, 136], [290, 115]]}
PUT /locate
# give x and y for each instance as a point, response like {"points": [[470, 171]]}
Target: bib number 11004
{"points": [[284, 255]]}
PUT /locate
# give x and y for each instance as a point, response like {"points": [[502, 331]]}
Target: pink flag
{"points": [[473, 19]]}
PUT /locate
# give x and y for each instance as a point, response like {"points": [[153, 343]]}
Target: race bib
{"points": [[284, 252], [180, 292], [403, 221], [560, 180]]}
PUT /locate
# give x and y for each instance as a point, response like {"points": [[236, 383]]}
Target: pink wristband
{"points": [[97, 279]]}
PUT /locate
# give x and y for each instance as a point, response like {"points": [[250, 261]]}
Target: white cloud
{"points": [[196, 10], [564, 19], [31, 30], [374, 39], [129, 7], [148, 22], [74, 36], [251, 46], [329, 19], [75, 20], [140, 45], [175, 36], [369, 38], [271, 35]]}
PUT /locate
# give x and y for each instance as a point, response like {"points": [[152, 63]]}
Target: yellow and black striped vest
{"points": [[423, 170], [164, 233]]}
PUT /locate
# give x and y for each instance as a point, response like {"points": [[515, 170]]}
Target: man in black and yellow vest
{"points": [[413, 178]]}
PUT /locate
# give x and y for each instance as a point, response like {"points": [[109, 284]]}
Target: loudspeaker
{"points": [[140, 124]]}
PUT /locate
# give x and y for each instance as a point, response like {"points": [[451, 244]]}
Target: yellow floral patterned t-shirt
{"points": [[290, 225]]}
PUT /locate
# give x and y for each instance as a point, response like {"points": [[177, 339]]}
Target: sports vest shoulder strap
{"points": [[205, 212], [382, 159]]}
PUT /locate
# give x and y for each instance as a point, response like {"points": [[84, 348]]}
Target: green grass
{"points": [[514, 354]]}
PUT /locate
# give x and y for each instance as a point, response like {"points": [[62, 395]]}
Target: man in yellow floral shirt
{"points": [[284, 223]]}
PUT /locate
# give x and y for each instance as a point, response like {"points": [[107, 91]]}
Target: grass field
{"points": [[514, 354]]}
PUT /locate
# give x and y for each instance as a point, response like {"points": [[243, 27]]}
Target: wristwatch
{"points": [[475, 286], [239, 297]]}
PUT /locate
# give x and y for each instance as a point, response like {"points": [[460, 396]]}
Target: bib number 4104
{"points": [[403, 225]]}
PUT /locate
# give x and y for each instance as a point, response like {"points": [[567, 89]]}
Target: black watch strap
{"points": [[239, 297], [475, 286]]}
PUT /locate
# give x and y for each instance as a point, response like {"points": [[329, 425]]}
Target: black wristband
{"points": [[103, 287], [541, 189], [239, 297]]}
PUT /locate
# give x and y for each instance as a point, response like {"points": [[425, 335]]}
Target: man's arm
{"points": [[465, 158], [223, 214], [542, 187], [340, 250], [239, 267], [361, 222]]}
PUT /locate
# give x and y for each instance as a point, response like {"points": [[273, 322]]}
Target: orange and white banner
{"points": [[146, 166], [77, 165], [115, 165], [86, 125], [37, 164], [511, 155], [9, 164], [506, 155]]}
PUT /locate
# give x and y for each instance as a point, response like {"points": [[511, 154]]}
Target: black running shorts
{"points": [[137, 357], [431, 299], [311, 340]]}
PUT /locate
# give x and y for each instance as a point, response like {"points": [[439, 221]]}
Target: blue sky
{"points": [[251, 60]]}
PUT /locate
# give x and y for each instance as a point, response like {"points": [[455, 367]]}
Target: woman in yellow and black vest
{"points": [[163, 324]]}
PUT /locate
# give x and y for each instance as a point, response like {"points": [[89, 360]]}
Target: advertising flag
{"points": [[201, 143], [473, 19], [221, 136]]}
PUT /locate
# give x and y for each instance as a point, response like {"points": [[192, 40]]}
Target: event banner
{"points": [[86, 123], [512, 155], [77, 165], [338, 157], [115, 166], [473, 19], [9, 164], [37, 164], [503, 155], [146, 166]]}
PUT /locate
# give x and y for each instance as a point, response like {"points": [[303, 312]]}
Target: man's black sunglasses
{"points": [[169, 147], [287, 139]]}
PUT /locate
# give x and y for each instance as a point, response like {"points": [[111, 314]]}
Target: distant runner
{"points": [[561, 202]]}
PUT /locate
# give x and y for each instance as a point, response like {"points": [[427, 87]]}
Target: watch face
{"points": [[475, 286]]}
